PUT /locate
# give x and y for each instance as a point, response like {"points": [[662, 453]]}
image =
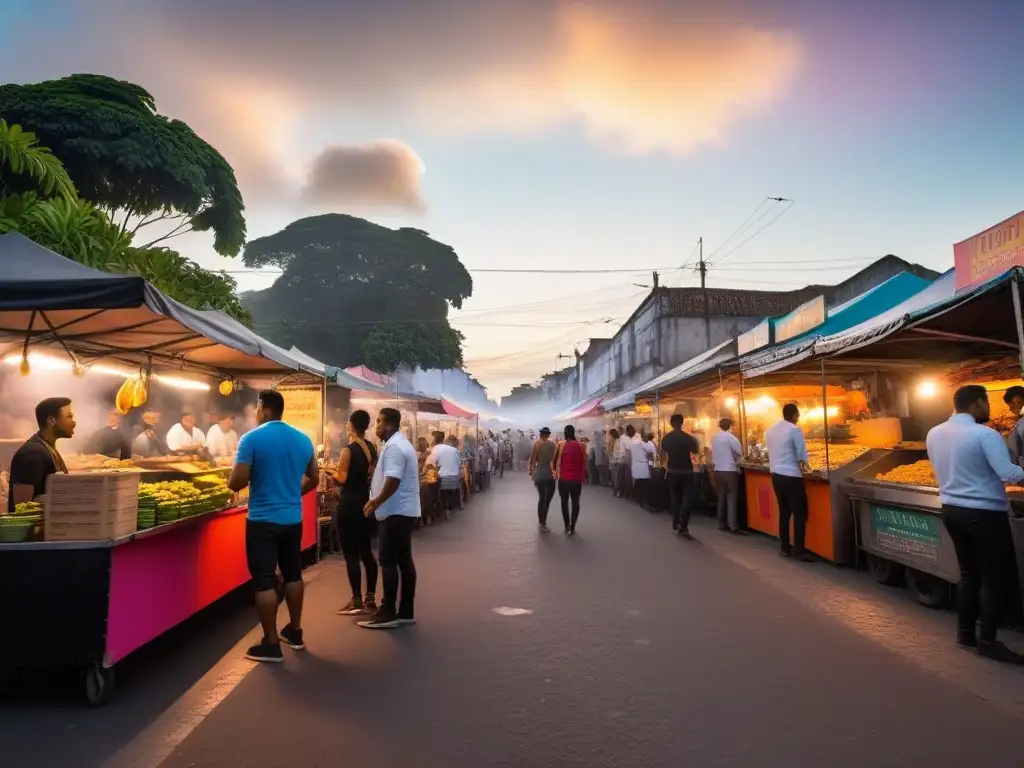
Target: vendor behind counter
{"points": [[112, 440], [38, 458]]}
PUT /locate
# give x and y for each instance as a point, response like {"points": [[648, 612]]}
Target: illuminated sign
{"points": [[990, 253], [802, 319], [304, 409], [758, 336]]}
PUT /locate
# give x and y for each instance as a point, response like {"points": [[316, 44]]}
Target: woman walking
{"points": [[355, 468], [542, 470], [571, 473]]}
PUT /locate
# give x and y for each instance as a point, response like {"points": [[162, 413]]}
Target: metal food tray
{"points": [[863, 485]]}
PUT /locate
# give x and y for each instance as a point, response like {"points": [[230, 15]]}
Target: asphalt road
{"points": [[632, 648]]}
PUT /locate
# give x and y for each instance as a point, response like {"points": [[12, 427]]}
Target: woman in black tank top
{"points": [[355, 468]]}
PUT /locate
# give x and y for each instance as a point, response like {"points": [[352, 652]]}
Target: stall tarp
{"points": [[881, 325], [454, 409], [873, 303], [724, 351], [584, 409], [99, 316]]}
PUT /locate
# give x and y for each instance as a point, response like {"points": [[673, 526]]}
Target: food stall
{"points": [[127, 551], [967, 334], [845, 422]]}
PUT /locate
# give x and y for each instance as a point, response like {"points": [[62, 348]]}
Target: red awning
{"points": [[584, 410], [456, 410]]}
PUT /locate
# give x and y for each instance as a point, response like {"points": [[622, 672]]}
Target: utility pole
{"points": [[657, 357], [702, 266]]}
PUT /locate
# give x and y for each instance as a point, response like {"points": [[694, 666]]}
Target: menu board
{"points": [[304, 409], [990, 253], [758, 336]]}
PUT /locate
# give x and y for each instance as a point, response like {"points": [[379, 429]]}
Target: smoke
{"points": [[381, 174]]}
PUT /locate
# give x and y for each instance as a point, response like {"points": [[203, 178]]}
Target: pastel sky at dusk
{"points": [[590, 134]]}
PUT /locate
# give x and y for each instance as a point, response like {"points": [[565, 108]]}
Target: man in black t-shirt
{"points": [[677, 448], [111, 441], [38, 458]]}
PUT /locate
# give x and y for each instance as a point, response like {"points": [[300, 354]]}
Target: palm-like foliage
{"points": [[21, 156]]}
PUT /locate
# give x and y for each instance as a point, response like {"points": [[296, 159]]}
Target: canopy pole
{"points": [[743, 417], [1015, 289], [824, 412], [657, 419]]}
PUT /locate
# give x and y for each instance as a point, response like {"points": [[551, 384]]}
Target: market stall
{"points": [[116, 554]]}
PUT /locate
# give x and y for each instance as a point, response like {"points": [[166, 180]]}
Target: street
{"points": [[626, 646]]}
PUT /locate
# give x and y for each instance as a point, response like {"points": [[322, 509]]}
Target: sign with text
{"points": [[990, 253], [802, 319], [905, 532], [758, 336], [304, 409]]}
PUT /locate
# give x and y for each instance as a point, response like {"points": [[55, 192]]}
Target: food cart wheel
{"points": [[928, 590], [99, 685], [884, 571]]}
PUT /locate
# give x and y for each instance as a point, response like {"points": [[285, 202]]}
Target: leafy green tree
{"points": [[26, 165], [145, 170], [353, 292]]}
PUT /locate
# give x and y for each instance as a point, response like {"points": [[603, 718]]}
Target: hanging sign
{"points": [[304, 409], [802, 319], [758, 336], [990, 253]]}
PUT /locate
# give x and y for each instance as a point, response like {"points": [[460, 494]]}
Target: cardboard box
{"points": [[91, 506]]}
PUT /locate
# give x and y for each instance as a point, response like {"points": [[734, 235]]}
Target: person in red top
{"points": [[571, 473]]}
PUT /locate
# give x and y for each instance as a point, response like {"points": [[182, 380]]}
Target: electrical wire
{"points": [[756, 232], [739, 229]]}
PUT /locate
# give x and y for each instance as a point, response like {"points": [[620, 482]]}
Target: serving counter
{"points": [[901, 524], [830, 526], [90, 604]]}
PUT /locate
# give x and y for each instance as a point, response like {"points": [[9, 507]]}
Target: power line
{"points": [[761, 229], [635, 270], [740, 227]]}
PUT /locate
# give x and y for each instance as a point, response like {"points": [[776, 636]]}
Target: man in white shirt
{"points": [[787, 460], [641, 450], [448, 461], [726, 452], [624, 451], [222, 440], [972, 464], [185, 434], [395, 500]]}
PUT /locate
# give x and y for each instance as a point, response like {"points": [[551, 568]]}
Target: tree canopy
{"points": [[140, 167], [353, 292]]}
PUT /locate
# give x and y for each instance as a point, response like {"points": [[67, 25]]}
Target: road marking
{"points": [[506, 611], [152, 746]]}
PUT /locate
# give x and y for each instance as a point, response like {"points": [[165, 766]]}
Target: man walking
{"points": [[542, 470], [395, 500], [787, 460], [726, 452], [972, 465], [278, 464], [678, 447]]}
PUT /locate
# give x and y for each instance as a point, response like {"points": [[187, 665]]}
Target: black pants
{"points": [[355, 531], [642, 491], [545, 493], [570, 490], [979, 537], [681, 490], [791, 494], [394, 549]]}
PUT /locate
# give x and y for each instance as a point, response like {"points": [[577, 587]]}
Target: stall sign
{"points": [[758, 336], [304, 409], [808, 315], [988, 254], [904, 532], [643, 408]]}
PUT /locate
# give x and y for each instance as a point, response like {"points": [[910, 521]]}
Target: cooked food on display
{"points": [[838, 454], [918, 473]]}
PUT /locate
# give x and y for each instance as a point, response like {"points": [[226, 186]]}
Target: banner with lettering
{"points": [[990, 253], [304, 409]]}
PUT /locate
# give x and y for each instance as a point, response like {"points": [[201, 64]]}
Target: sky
{"points": [[582, 134]]}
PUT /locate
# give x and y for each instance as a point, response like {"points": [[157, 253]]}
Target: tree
{"points": [[140, 167], [353, 292], [24, 164]]}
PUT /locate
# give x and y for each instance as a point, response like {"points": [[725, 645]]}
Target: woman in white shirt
{"points": [[641, 451]]}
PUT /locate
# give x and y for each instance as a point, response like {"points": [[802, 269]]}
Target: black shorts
{"points": [[269, 546]]}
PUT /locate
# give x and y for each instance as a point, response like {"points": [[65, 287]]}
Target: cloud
{"points": [[381, 174], [258, 77]]}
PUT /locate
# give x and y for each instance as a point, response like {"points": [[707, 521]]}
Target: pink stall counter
{"points": [[93, 603]]}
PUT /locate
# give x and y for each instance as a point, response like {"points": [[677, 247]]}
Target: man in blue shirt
{"points": [[395, 500], [278, 464], [972, 464]]}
